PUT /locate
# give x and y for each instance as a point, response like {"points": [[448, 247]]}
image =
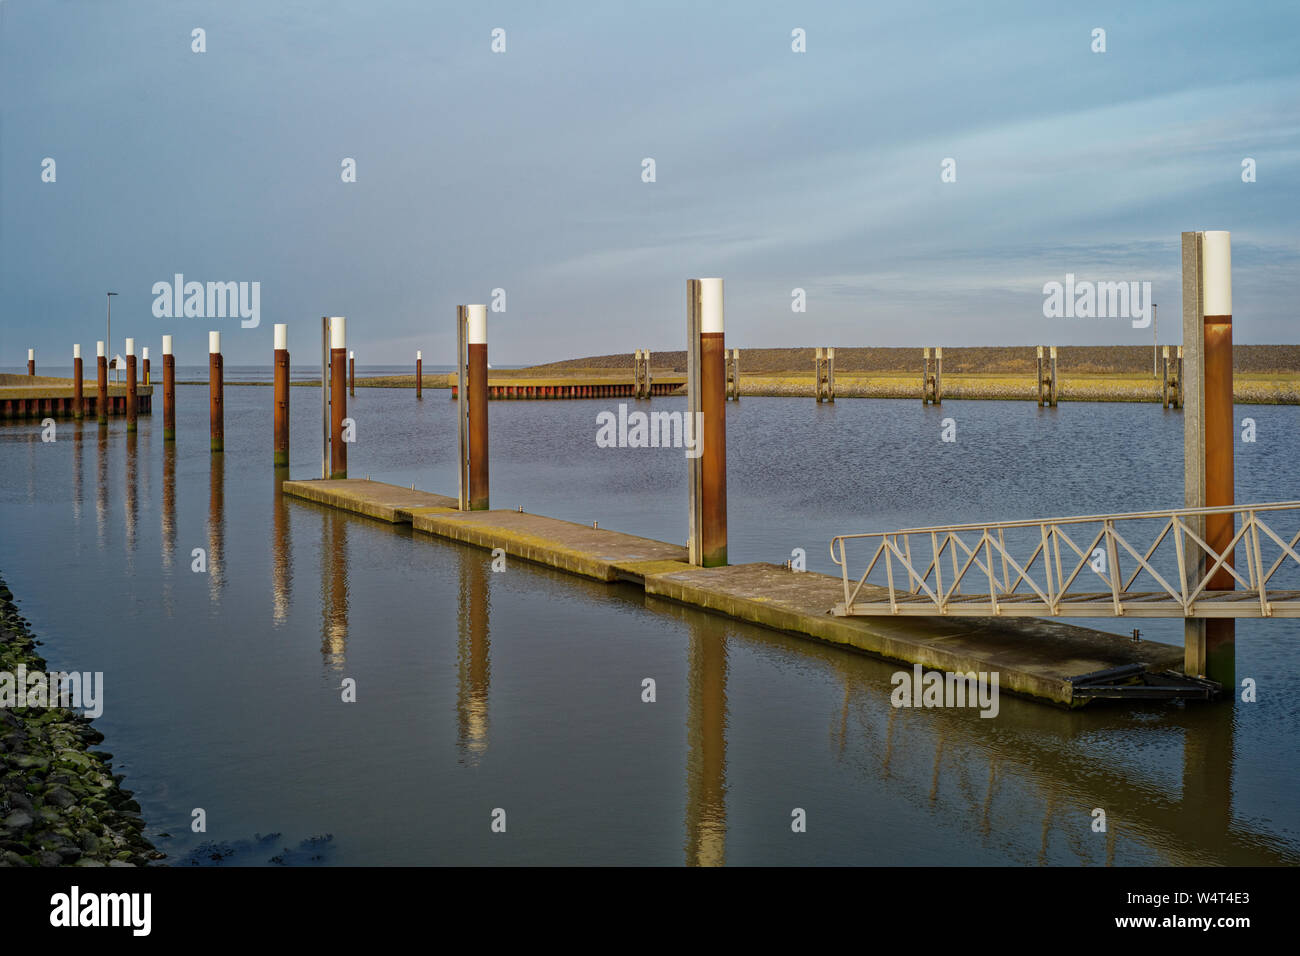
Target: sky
{"points": [[522, 170]]}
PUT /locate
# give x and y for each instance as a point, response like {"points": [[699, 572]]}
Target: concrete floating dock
{"points": [[1039, 659], [559, 388], [39, 396]]}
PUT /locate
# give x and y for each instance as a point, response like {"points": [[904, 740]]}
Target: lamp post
{"points": [[108, 334]]}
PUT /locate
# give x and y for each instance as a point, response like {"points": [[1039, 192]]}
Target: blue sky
{"points": [[522, 170]]}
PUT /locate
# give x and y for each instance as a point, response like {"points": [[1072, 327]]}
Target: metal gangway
{"points": [[1045, 568]]}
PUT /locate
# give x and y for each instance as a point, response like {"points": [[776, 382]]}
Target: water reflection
{"points": [[167, 520], [78, 477], [216, 528], [473, 670], [132, 491], [706, 737], [101, 489], [281, 552], [334, 589]]}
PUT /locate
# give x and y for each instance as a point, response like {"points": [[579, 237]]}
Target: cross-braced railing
{"points": [[1040, 568]]}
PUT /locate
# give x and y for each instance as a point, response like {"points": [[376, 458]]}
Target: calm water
{"points": [[522, 690]]}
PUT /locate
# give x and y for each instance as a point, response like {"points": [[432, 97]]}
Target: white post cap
{"points": [[477, 322], [76, 351], [214, 343], [31, 355], [352, 355], [711, 312], [167, 345], [130, 346], [418, 355], [338, 332], [281, 336], [144, 353], [1218, 273], [99, 349]]}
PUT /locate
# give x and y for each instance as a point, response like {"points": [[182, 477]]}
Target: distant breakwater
{"points": [[60, 803]]}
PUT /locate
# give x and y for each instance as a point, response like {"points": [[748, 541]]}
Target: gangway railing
{"points": [[1037, 568]]}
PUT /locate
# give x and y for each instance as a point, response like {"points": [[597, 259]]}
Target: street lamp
{"points": [[1155, 337]]}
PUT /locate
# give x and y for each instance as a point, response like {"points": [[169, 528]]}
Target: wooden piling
{"points": [[78, 398], [477, 392], [931, 389], [169, 391], [101, 372], [1220, 633], [706, 391], [132, 397], [280, 442], [338, 396], [144, 366], [352, 374], [733, 374], [419, 375], [216, 406], [31, 362]]}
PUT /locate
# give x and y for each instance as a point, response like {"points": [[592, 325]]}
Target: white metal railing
{"points": [[1055, 563]]}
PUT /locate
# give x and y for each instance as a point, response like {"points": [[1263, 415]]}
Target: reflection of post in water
{"points": [[77, 476], [132, 490], [216, 526], [1208, 757], [334, 590], [168, 515], [281, 562], [101, 490], [473, 658], [706, 736]]}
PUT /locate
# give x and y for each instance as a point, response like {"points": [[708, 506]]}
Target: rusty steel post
{"points": [[419, 375], [708, 360], [132, 398], [338, 396], [476, 390], [144, 366], [281, 399], [169, 391], [31, 362], [101, 371], [1220, 633], [78, 397], [352, 374], [216, 407]]}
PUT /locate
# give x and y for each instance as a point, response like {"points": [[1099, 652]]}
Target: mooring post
{"points": [[925, 376], [78, 398], [419, 374], [169, 391], [476, 388], [1039, 376], [1052, 389], [132, 398], [830, 374], [31, 362], [281, 415], [101, 372], [338, 396], [459, 393], [352, 374], [1164, 371], [144, 366], [1178, 392], [216, 409], [938, 375], [1208, 645], [707, 413], [819, 374]]}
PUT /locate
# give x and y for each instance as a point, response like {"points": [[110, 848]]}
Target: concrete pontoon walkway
{"points": [[1040, 659]]}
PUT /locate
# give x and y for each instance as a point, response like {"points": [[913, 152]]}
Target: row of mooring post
{"points": [[824, 374], [1171, 393], [932, 377], [1046, 378], [641, 380]]}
